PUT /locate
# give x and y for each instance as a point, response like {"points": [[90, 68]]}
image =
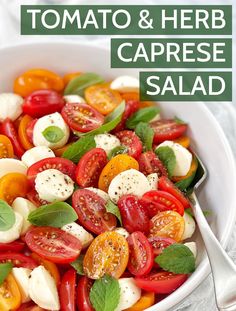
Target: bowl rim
{"points": [[203, 269]]}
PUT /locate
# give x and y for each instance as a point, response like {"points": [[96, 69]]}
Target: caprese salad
{"points": [[93, 207]]}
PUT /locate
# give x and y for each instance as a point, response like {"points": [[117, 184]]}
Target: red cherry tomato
{"points": [[149, 163], [43, 102], [89, 167], [131, 107], [167, 130], [15, 246], [158, 244], [82, 117], [83, 290], [8, 129], [166, 185], [30, 306], [141, 256], [159, 201], [134, 215], [30, 130], [67, 291], [33, 197], [53, 244], [130, 140], [18, 260], [161, 282], [63, 165], [91, 211]]}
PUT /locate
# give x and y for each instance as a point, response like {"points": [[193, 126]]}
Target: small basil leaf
{"points": [[5, 269], [179, 121], [113, 209], [53, 134], [117, 150], [7, 216], [142, 115], [78, 265], [146, 134], [167, 156], [78, 84]]}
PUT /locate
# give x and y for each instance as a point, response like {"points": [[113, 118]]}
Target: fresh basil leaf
{"points": [[176, 258], [142, 115], [78, 84], [146, 134], [53, 134], [167, 156], [105, 294], [78, 265], [117, 150], [189, 211], [5, 269], [113, 209], [79, 148], [179, 121], [7, 216], [206, 212], [54, 215], [185, 183]]}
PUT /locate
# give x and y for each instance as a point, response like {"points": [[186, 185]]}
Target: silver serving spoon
{"points": [[223, 269]]}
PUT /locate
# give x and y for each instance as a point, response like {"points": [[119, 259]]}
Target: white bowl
{"points": [[218, 194]]}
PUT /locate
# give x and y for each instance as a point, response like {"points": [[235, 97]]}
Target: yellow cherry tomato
{"points": [[183, 141], [147, 300], [6, 148], [69, 76], [23, 137], [10, 297]]}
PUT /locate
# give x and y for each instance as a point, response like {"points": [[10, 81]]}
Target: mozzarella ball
{"points": [[36, 154], [190, 226], [14, 232], [11, 106], [107, 142], [125, 84]]}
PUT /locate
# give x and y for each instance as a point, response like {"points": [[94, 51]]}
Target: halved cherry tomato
{"points": [[147, 300], [158, 244], [37, 79], [131, 107], [83, 290], [81, 117], [15, 246], [161, 282], [59, 152], [167, 130], [16, 123], [30, 306], [168, 224], [107, 254], [33, 196], [6, 148], [30, 130], [18, 260], [149, 163], [10, 297], [63, 165], [49, 266], [90, 166], [158, 201], [43, 102], [7, 129], [23, 137], [166, 185], [130, 140], [91, 211], [69, 76], [141, 254], [102, 98], [53, 244], [135, 96], [67, 291], [183, 141], [115, 166], [13, 185], [134, 215]]}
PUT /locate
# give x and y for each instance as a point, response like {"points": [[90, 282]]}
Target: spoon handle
{"points": [[223, 269]]}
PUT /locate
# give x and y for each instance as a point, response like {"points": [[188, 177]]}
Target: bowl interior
{"points": [[207, 138]]}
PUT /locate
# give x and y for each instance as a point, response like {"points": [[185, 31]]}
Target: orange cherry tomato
{"points": [[102, 98], [147, 300], [135, 96], [13, 185], [48, 265], [10, 297], [183, 141], [37, 79], [23, 137], [69, 76], [118, 164], [192, 170], [107, 254], [17, 122], [59, 152], [6, 148], [168, 224]]}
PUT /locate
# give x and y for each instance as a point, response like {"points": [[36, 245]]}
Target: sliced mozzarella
{"points": [[107, 142], [183, 157], [193, 248], [122, 231], [54, 119], [11, 106], [23, 207], [153, 180], [36, 154], [12, 166], [14, 232], [100, 193], [190, 226], [128, 182], [125, 84], [43, 290], [21, 276], [79, 232], [74, 99], [52, 185], [129, 293]]}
